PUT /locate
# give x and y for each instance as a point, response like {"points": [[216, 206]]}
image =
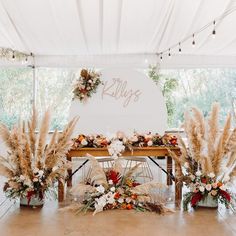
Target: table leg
{"points": [[69, 180], [169, 170], [178, 188], [61, 191]]}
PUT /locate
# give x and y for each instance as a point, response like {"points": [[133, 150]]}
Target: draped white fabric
{"points": [[57, 30]]}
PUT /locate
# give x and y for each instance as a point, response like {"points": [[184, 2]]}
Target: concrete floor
{"points": [[49, 221]]}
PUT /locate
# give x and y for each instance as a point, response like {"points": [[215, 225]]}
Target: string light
{"points": [[193, 42], [180, 50], [169, 54], [192, 36], [214, 30], [13, 56]]}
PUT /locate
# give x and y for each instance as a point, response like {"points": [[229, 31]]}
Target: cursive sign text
{"points": [[117, 89]]}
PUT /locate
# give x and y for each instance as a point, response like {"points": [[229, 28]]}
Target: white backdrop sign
{"points": [[126, 101]]}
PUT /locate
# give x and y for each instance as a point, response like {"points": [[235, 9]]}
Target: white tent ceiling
{"points": [[70, 32]]}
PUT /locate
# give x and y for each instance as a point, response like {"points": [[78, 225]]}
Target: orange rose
{"points": [[219, 184], [123, 206], [134, 196], [129, 206], [117, 195]]}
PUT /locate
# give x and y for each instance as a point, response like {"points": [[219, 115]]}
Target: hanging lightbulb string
{"points": [[14, 55], [216, 20]]}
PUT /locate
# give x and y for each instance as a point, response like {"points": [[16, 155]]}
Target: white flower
{"points": [[100, 189], [110, 200], [54, 168], [35, 179], [208, 187], [201, 188], [223, 187], [28, 182], [121, 200], [198, 173], [22, 177], [40, 173], [113, 189], [128, 199], [150, 143], [110, 182], [84, 142], [211, 175], [186, 165], [134, 139]]}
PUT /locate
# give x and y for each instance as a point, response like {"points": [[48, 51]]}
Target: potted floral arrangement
{"points": [[109, 189], [32, 166], [87, 84], [207, 166]]}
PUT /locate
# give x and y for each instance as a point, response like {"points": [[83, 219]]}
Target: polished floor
{"points": [[48, 221]]}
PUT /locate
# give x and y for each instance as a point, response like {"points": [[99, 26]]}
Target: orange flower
{"points": [[219, 184], [129, 206], [123, 206], [134, 196], [81, 137], [117, 195]]}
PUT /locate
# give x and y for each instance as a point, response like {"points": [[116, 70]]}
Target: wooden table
{"points": [[137, 151]]}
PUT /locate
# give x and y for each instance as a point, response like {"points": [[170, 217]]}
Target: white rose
{"points": [[110, 182], [201, 188], [198, 173], [150, 143], [128, 199], [208, 187], [214, 185], [84, 142], [211, 175], [100, 189], [113, 189]]}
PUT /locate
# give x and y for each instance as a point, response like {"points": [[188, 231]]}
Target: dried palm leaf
{"points": [[98, 176], [81, 189], [144, 189]]}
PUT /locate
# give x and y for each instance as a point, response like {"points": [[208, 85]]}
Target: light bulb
{"points": [[180, 50], [169, 54], [214, 30], [193, 42]]}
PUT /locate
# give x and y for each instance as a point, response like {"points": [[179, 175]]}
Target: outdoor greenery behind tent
{"points": [[181, 88]]}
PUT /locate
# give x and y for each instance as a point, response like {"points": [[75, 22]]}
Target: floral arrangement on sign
{"points": [[208, 165], [32, 165], [87, 84], [109, 189]]}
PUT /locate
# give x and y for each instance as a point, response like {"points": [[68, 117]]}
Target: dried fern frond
{"points": [[144, 189]]}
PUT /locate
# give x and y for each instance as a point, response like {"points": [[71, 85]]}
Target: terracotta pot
{"points": [[208, 201]]}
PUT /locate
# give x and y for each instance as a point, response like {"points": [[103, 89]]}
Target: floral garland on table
{"points": [[135, 140], [207, 166], [87, 84], [107, 190]]}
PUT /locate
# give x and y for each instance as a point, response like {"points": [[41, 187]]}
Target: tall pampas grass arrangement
{"points": [[32, 164], [208, 164]]}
